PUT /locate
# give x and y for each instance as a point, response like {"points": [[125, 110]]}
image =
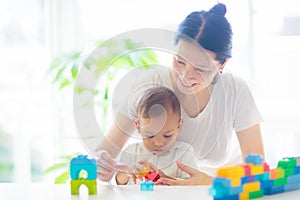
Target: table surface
{"points": [[39, 191]]}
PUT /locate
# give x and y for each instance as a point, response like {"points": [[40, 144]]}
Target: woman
{"points": [[219, 112]]}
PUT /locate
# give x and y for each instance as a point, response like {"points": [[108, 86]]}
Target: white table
{"points": [[10, 191]]}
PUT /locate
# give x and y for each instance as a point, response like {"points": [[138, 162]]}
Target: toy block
{"points": [[266, 167], [231, 172], [288, 172], [254, 159], [81, 162], [280, 181], [291, 186], [280, 172], [244, 196], [287, 163], [147, 186], [266, 184], [255, 179], [273, 174], [297, 170], [152, 176], [143, 173], [263, 177], [256, 194], [256, 169], [293, 178], [248, 179], [251, 187], [90, 184], [274, 190], [247, 170]]}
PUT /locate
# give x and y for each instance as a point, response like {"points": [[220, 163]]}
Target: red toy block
{"points": [[152, 176]]}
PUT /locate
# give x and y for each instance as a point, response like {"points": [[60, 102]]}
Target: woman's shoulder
{"points": [[232, 81]]}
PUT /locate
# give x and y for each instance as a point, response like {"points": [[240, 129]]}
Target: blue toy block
{"points": [[255, 159], [224, 182], [263, 177], [266, 184], [232, 197], [291, 186], [81, 162], [147, 186], [274, 190], [297, 170], [293, 178]]}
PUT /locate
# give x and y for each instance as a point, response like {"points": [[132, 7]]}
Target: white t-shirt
{"points": [[211, 133], [166, 161]]}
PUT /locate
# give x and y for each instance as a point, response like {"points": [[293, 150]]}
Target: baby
{"points": [[159, 122]]}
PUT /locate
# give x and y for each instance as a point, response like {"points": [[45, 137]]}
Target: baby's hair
{"points": [[157, 99], [210, 29]]}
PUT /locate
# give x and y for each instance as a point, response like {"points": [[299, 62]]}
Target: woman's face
{"points": [[194, 68]]}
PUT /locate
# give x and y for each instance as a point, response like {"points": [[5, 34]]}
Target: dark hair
{"points": [[210, 29], [157, 95]]}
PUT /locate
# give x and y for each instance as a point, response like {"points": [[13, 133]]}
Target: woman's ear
{"points": [[221, 66], [136, 122]]}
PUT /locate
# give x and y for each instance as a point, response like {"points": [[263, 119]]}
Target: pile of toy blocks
{"points": [[150, 176], [255, 179], [78, 164]]}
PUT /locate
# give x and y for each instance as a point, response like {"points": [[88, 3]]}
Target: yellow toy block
{"points": [[244, 196], [231, 172], [280, 172], [143, 173], [256, 169], [251, 187]]}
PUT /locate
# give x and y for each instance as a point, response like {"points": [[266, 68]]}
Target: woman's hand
{"points": [[106, 166], [196, 177]]}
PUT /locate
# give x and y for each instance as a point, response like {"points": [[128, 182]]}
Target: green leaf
{"points": [[74, 71], [59, 75], [62, 178], [65, 82]]}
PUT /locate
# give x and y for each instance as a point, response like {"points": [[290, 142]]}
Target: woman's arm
{"points": [[251, 141], [117, 136], [111, 146]]}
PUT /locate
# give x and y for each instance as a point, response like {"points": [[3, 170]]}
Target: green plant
{"points": [[64, 71], [63, 166]]}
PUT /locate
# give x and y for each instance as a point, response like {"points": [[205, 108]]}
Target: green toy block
{"points": [[287, 163], [256, 194], [90, 184]]}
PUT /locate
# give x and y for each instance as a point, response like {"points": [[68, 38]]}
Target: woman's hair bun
{"points": [[218, 9]]}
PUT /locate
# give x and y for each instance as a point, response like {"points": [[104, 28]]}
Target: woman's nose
{"points": [[188, 71]]}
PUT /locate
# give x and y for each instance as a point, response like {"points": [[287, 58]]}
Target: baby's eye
{"points": [[168, 136], [150, 136]]}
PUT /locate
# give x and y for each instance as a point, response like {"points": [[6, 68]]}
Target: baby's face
{"points": [[159, 133]]}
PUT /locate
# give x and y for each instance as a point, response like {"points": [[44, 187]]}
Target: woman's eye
{"points": [[180, 62], [150, 136], [167, 136], [199, 70]]}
